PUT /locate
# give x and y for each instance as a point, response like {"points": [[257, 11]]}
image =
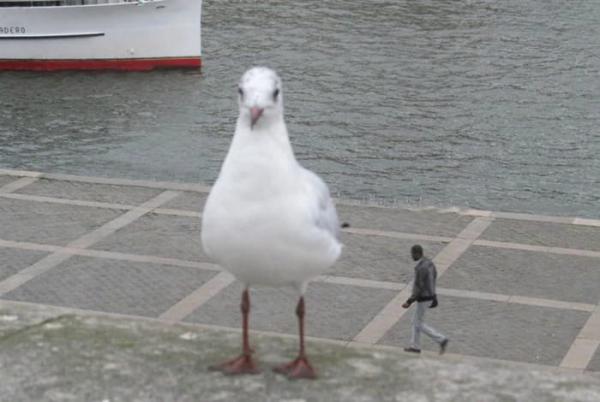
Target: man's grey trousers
{"points": [[418, 326]]}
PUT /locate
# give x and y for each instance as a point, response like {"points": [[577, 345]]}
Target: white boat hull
{"points": [[129, 35]]}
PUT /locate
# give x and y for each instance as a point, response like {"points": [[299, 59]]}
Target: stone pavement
{"points": [[516, 287]]}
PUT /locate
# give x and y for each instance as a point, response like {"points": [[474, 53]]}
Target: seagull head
{"points": [[260, 97]]}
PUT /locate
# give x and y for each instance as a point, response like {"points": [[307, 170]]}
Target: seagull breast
{"points": [[267, 219]]}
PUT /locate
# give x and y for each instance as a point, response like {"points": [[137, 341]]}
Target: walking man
{"points": [[423, 293]]}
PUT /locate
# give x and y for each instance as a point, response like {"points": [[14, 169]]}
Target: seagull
{"points": [[268, 220]]}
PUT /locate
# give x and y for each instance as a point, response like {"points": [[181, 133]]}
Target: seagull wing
{"points": [[322, 209]]}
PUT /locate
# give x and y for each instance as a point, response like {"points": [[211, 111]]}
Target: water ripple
{"points": [[492, 105]]}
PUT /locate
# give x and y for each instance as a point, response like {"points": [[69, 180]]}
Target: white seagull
{"points": [[268, 220]]}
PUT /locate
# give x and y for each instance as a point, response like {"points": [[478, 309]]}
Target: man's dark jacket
{"points": [[424, 284]]}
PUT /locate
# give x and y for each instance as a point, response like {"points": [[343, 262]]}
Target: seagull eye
{"points": [[241, 92], [275, 93]]}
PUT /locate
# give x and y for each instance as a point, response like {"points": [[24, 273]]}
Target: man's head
{"points": [[416, 252]]}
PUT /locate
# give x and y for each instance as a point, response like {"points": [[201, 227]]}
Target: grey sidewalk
{"points": [[514, 287]]}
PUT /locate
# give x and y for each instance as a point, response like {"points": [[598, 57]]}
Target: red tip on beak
{"points": [[255, 113]]}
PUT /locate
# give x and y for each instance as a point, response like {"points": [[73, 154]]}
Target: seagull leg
{"points": [[243, 364], [299, 367]]}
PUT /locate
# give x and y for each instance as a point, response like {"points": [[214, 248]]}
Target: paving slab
{"points": [[159, 235], [58, 357], [379, 258], [544, 234], [332, 311], [497, 330], [526, 273], [13, 260], [425, 222], [7, 179], [112, 286], [188, 201], [594, 364], [126, 195], [46, 223]]}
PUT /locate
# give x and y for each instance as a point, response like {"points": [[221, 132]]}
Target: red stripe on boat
{"points": [[100, 64]]}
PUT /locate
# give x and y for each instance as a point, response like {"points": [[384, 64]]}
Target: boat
{"points": [[138, 35]]}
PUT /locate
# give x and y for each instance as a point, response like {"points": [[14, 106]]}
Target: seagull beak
{"points": [[255, 113]]}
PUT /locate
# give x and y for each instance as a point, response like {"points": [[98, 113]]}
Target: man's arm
{"points": [[432, 280], [417, 288]]}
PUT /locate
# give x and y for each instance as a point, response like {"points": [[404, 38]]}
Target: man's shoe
{"points": [[412, 350], [443, 345]]}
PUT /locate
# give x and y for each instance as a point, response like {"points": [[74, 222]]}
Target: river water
{"points": [[483, 104]]}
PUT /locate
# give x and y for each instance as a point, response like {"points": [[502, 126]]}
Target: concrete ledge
{"points": [[50, 356]]}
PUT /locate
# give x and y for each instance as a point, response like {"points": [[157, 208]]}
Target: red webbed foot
{"points": [[243, 364], [298, 368]]}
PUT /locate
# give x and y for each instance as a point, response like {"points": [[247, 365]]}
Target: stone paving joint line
{"points": [[87, 240]]}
